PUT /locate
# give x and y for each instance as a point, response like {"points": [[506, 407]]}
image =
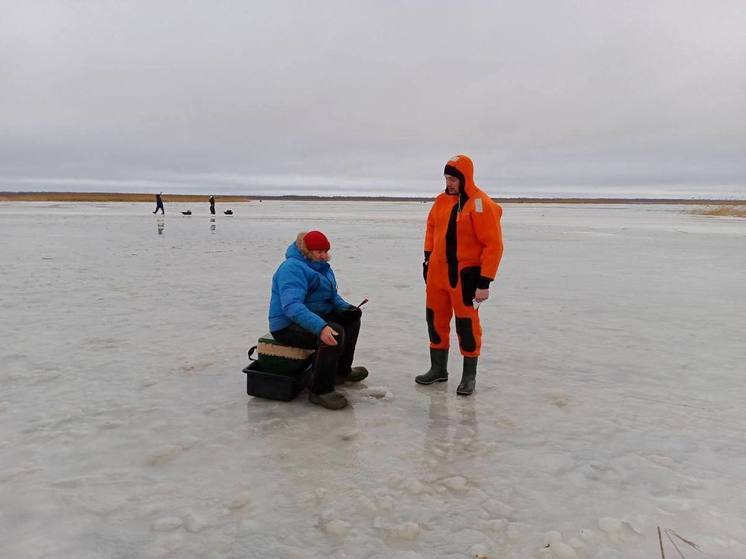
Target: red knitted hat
{"points": [[316, 240]]}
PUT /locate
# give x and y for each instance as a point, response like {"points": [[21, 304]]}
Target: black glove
{"points": [[353, 311], [425, 264]]}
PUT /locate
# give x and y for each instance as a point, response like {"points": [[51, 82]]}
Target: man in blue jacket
{"points": [[307, 311]]}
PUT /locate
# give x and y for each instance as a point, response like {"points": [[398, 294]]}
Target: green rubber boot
{"points": [[438, 368], [469, 377]]}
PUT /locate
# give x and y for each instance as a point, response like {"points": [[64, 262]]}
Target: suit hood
{"points": [[466, 167]]}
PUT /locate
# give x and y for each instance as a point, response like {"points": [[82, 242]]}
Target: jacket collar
{"points": [[294, 253]]}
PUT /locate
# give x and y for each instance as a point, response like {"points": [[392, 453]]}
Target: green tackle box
{"points": [[279, 358], [279, 372]]}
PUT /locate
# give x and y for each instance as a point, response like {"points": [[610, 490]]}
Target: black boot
{"points": [[330, 400], [438, 368], [356, 374], [469, 376]]}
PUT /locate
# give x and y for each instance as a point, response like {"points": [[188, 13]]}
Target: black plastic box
{"points": [[275, 386]]}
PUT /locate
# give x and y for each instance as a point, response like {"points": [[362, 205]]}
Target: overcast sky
{"points": [[555, 96]]}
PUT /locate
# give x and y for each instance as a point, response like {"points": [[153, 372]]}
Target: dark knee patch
{"points": [[432, 332], [465, 333]]}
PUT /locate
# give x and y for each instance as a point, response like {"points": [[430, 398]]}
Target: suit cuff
{"points": [[484, 282]]}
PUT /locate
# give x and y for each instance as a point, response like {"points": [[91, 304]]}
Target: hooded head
{"points": [[462, 168]]}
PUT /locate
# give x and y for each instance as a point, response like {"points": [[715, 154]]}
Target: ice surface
{"points": [[610, 396]]}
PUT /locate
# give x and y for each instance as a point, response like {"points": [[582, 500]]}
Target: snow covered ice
{"points": [[610, 396]]}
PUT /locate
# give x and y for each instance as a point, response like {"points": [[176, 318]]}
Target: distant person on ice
{"points": [[211, 199], [307, 311], [463, 248], [159, 204]]}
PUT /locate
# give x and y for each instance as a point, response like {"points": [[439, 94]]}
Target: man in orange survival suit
{"points": [[463, 247]]}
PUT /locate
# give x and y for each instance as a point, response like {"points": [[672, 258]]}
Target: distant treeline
{"points": [[139, 197], [111, 197]]}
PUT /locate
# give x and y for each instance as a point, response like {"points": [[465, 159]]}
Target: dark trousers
{"points": [[330, 360]]}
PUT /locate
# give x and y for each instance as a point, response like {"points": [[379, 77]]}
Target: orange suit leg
{"points": [[438, 309], [468, 327], [441, 302]]}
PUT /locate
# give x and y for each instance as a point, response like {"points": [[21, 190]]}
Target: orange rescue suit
{"points": [[463, 248]]}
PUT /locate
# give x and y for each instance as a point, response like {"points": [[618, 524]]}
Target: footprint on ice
{"points": [[407, 531], [561, 550], [349, 434], [374, 392], [240, 501], [290, 552], [414, 487], [167, 524], [272, 423], [194, 523], [456, 483], [395, 481], [478, 551], [665, 461], [558, 399], [386, 502], [558, 548], [585, 535], [496, 525], [69, 483], [337, 527], [516, 531], [367, 504], [164, 455], [609, 524], [188, 442], [612, 527]]}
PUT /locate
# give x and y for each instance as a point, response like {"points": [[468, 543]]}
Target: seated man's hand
{"points": [[327, 336]]}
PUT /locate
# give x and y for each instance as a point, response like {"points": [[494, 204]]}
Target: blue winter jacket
{"points": [[303, 290]]}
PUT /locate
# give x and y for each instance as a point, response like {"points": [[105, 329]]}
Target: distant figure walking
{"points": [[212, 204], [159, 204]]}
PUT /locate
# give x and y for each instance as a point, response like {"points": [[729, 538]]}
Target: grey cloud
{"points": [[539, 93]]}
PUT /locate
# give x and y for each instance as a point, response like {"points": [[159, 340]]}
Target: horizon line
{"points": [[51, 196]]}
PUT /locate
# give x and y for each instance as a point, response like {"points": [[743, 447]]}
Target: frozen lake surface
{"points": [[610, 396]]}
